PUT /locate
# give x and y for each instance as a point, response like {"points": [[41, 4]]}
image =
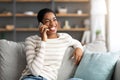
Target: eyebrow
{"points": [[49, 19]]}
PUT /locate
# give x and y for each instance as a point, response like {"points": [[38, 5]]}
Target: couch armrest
{"points": [[68, 67], [12, 60], [117, 71]]}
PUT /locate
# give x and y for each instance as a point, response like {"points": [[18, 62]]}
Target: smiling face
{"points": [[50, 20]]}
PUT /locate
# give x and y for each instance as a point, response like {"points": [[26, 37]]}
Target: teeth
{"points": [[53, 28]]}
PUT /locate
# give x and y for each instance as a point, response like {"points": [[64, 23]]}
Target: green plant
{"points": [[98, 32]]}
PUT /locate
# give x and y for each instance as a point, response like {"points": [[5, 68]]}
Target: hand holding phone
{"points": [[43, 31]]}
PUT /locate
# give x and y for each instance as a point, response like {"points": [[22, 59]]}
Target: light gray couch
{"points": [[12, 62]]}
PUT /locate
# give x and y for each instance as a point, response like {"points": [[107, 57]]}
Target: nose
{"points": [[52, 23]]}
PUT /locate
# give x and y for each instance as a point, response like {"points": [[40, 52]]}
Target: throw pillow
{"points": [[97, 66], [75, 79]]}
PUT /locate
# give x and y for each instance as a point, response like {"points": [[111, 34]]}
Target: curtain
{"points": [[98, 12]]}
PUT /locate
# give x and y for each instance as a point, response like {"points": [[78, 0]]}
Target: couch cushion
{"points": [[12, 60], [97, 66]]}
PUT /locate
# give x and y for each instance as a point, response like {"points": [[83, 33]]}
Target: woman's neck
{"points": [[52, 36]]}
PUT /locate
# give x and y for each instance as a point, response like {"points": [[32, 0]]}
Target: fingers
{"points": [[43, 28], [76, 58]]}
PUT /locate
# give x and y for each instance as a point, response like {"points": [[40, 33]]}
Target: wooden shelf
{"points": [[25, 15], [72, 15], [5, 15], [36, 29], [5, 0], [59, 15], [71, 0], [33, 0], [4, 30], [26, 29]]}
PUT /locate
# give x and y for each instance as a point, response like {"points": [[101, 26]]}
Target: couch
{"points": [[12, 62]]}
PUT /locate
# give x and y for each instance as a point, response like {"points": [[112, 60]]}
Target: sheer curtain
{"points": [[98, 12], [114, 25]]}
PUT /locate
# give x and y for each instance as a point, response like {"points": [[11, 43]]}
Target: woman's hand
{"points": [[43, 31], [77, 54]]}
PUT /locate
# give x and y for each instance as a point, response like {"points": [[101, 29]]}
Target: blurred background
{"points": [[89, 21]]}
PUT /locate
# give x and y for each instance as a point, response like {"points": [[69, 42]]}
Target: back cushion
{"points": [[12, 60]]}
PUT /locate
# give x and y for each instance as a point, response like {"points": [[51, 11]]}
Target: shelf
{"points": [[25, 15], [33, 0], [4, 30], [72, 15], [5, 15], [36, 29], [58, 15], [71, 0], [26, 29], [16, 14], [5, 0]]}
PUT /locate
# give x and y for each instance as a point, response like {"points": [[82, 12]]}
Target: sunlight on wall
{"points": [[114, 23]]}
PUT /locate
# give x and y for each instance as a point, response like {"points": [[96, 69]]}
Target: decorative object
{"points": [[98, 32], [29, 12], [99, 36], [86, 34], [86, 23], [79, 12], [62, 10], [66, 26], [9, 27]]}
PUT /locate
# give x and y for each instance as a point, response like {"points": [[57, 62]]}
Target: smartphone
{"points": [[40, 24]]}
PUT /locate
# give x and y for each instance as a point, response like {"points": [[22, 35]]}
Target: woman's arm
{"points": [[34, 55], [77, 54]]}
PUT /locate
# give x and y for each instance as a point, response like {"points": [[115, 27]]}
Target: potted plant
{"points": [[98, 34]]}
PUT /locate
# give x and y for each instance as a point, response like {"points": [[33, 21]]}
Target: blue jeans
{"points": [[75, 79], [32, 77]]}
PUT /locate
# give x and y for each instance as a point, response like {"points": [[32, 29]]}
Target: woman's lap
{"points": [[31, 77]]}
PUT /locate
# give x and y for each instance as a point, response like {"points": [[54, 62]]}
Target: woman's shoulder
{"points": [[33, 37]]}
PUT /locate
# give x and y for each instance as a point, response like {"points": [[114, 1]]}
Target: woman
{"points": [[44, 52]]}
